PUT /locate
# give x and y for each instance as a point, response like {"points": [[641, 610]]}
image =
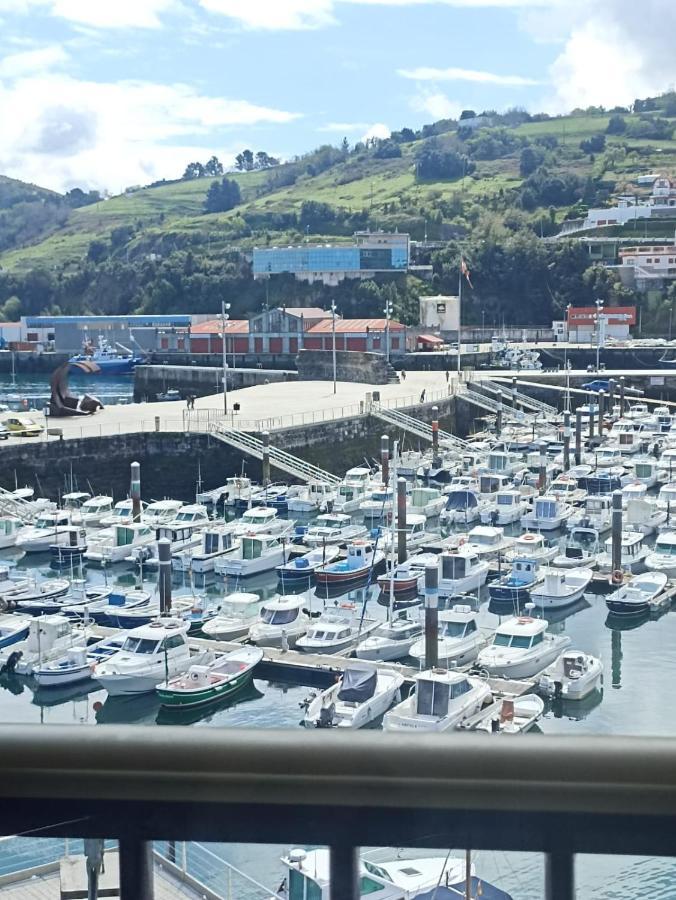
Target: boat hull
{"points": [[176, 699]]}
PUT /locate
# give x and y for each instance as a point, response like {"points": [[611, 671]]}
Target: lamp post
{"points": [[388, 313], [333, 342], [224, 316]]}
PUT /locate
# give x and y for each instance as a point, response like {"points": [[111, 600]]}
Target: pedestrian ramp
{"points": [[286, 462], [518, 397], [414, 426], [26, 510], [490, 405]]}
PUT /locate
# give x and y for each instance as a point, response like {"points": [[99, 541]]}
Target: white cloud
{"points": [[436, 105], [98, 13], [275, 14], [28, 62], [59, 132], [343, 127], [377, 130], [425, 73]]}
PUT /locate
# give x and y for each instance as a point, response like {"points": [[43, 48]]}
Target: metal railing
{"points": [[557, 795]]}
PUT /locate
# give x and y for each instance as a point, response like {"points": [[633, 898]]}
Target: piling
{"points": [[435, 436], [514, 392], [265, 439], [616, 568], [136, 491], [592, 418], [621, 395], [566, 441], [431, 616], [612, 384], [578, 437], [385, 458], [401, 520], [498, 417], [602, 410], [542, 480], [164, 581]]}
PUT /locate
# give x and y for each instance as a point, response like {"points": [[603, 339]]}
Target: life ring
{"points": [[529, 537], [618, 576], [24, 403], [524, 620]]}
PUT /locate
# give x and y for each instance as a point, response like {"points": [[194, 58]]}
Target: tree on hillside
{"points": [[265, 161], [194, 170], [244, 161], [594, 144], [387, 149], [433, 162], [10, 311], [529, 161], [616, 125], [97, 252], [213, 167], [222, 196], [467, 114], [76, 198]]}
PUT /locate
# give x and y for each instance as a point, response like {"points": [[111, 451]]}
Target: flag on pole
{"points": [[464, 269]]}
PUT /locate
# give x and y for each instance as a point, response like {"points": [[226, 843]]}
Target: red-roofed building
{"points": [[356, 334], [206, 337]]}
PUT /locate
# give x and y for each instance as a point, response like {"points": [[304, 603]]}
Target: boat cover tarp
{"points": [[461, 500], [359, 684], [457, 891]]}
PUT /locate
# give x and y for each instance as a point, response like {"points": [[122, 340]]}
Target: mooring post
{"points": [[164, 559], [616, 576], [621, 395], [435, 436], [265, 439], [431, 616], [543, 468], [592, 417], [602, 411], [401, 520], [612, 384], [136, 491], [498, 417], [578, 437], [385, 458], [566, 441]]}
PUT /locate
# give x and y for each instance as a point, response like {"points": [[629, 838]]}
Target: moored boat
{"points": [[222, 676]]}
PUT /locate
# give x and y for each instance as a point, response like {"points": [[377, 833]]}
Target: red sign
{"points": [[615, 315]]}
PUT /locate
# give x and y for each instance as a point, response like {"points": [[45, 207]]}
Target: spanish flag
{"points": [[465, 271]]}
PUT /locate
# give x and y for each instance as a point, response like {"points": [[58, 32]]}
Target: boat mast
{"points": [[393, 528]]}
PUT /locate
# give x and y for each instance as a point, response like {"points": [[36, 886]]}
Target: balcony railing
{"points": [[558, 796]]}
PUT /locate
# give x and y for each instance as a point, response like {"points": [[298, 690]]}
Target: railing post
{"points": [[344, 867], [559, 876], [136, 870]]}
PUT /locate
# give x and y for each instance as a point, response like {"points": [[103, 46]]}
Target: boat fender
{"points": [[618, 576]]}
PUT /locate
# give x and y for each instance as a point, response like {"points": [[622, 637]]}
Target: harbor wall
{"points": [[199, 381], [351, 365], [170, 462]]}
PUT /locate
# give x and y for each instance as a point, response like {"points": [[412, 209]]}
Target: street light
{"points": [[388, 313], [224, 316], [333, 342]]}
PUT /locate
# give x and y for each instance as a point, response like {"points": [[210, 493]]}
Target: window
{"points": [[279, 616], [502, 640], [432, 698], [369, 886], [139, 645], [537, 639], [457, 690], [521, 641], [176, 640]]}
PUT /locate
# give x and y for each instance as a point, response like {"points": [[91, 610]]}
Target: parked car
{"points": [[21, 424], [4, 432]]}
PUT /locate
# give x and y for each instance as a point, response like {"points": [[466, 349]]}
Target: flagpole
{"points": [[459, 311]]}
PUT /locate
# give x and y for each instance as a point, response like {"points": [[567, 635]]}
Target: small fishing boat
{"points": [[110, 606], [49, 528], [10, 527], [71, 551], [548, 514], [95, 509], [334, 633], [121, 514], [663, 556], [361, 696], [510, 715], [77, 596], [644, 516], [532, 546], [463, 506], [315, 496], [402, 586], [581, 549], [426, 501], [514, 588], [565, 487], [561, 587], [118, 543], [261, 520], [48, 637], [104, 359], [237, 613], [633, 557], [378, 504], [332, 528], [273, 495], [636, 597], [440, 701], [415, 534], [281, 621], [256, 553], [461, 571], [302, 569], [505, 508], [521, 648], [459, 638], [9, 585], [159, 512], [488, 541], [36, 594], [215, 540], [362, 559], [76, 664], [216, 678], [574, 676], [353, 489], [389, 641], [13, 628]]}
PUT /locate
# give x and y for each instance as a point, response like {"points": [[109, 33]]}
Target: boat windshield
{"points": [[236, 610], [518, 641], [139, 645], [453, 629], [584, 539], [643, 470], [545, 509], [251, 549], [432, 698], [279, 616], [666, 548], [186, 516], [505, 499], [122, 511]]}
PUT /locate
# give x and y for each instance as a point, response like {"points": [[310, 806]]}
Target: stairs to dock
{"points": [[414, 426]]}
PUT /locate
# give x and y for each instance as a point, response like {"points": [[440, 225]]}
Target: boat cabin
{"points": [[524, 571], [98, 506], [156, 638], [45, 631], [192, 514], [75, 500], [458, 622], [665, 544], [256, 545], [52, 519], [9, 526], [491, 484], [217, 540], [508, 499], [161, 511], [358, 477], [174, 533], [435, 689], [259, 517], [632, 545], [281, 610], [240, 605], [133, 533], [520, 633], [458, 564], [359, 555], [486, 538], [123, 509], [667, 496]]}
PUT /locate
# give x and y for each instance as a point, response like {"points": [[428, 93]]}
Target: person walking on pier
{"points": [[422, 396]]}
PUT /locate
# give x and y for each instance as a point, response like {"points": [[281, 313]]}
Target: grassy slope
{"points": [[175, 209]]}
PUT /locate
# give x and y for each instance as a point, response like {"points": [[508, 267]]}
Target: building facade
{"points": [[660, 203], [370, 254], [440, 313], [648, 268], [69, 333], [583, 323]]}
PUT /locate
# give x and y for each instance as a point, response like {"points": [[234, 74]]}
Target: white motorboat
{"points": [[9, 585], [334, 633], [459, 638], [94, 510], [121, 514], [77, 663], [238, 491], [113, 545], [261, 520], [596, 513], [581, 549], [180, 537], [161, 511], [488, 541], [461, 571], [510, 715], [561, 587], [636, 597], [149, 655], [48, 637], [666, 498], [361, 696], [389, 641], [548, 513], [332, 528], [256, 553], [521, 648], [608, 457], [646, 470], [315, 496], [353, 489], [426, 501], [50, 528], [440, 701], [10, 527], [574, 676], [644, 516], [378, 505], [633, 557], [508, 506], [463, 506], [416, 534], [236, 615], [281, 621], [532, 546], [663, 556], [75, 500], [216, 540], [565, 487]]}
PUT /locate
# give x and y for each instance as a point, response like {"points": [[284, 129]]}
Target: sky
{"points": [[106, 94]]}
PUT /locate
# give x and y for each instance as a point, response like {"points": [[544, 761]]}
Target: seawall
{"points": [[199, 381]]}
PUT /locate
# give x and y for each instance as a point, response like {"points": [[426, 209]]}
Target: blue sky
{"points": [[109, 93]]}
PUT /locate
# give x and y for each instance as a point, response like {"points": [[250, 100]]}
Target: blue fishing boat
{"points": [[515, 587], [104, 360], [301, 569]]}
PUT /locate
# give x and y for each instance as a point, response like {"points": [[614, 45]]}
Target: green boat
{"points": [[200, 685]]}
